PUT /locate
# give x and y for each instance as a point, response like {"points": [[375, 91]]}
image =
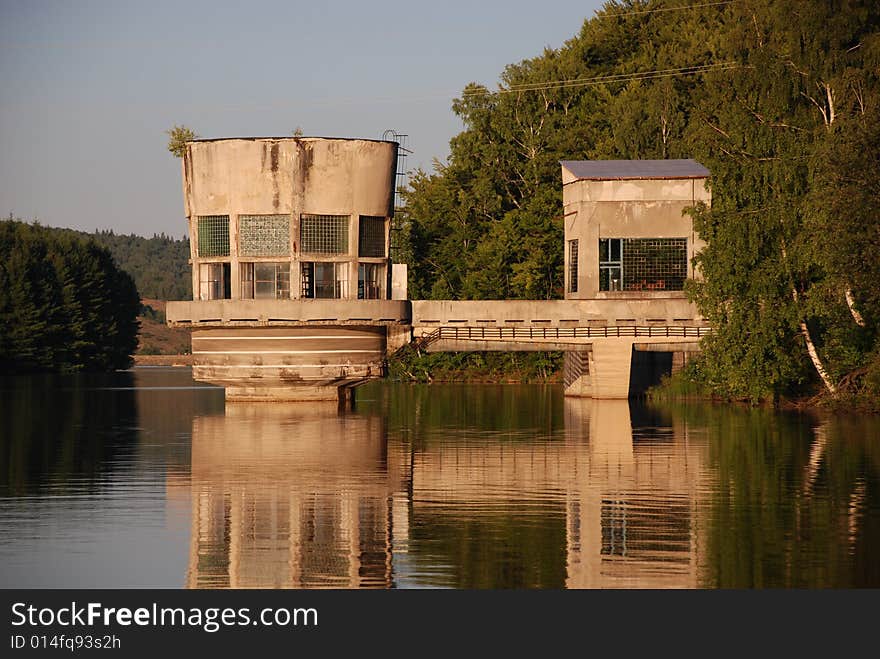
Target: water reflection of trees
{"points": [[55, 430], [796, 502], [514, 487]]}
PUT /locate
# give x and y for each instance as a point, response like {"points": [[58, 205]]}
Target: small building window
{"points": [[214, 282], [370, 281], [264, 235], [325, 280], [642, 264], [572, 266], [324, 234], [246, 271], [265, 281], [213, 233], [610, 265], [371, 236]]}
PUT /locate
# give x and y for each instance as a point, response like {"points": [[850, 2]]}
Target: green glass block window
{"points": [[371, 236], [264, 235], [213, 235], [324, 234]]}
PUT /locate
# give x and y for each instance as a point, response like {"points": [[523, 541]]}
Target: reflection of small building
{"points": [[298, 217], [626, 233]]}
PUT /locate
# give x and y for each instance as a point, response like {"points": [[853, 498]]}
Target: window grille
{"points": [[264, 235], [247, 280], [213, 235], [610, 265], [371, 236], [324, 280], [369, 281], [642, 264], [324, 234], [572, 266], [271, 281], [265, 281], [214, 281]]}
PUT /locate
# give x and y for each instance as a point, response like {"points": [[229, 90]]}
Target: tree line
{"points": [[64, 303], [781, 101], [159, 265]]}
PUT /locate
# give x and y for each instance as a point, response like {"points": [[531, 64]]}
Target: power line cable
{"points": [[606, 79], [660, 9]]}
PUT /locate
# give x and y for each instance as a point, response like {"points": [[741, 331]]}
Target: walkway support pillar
{"points": [[610, 368]]}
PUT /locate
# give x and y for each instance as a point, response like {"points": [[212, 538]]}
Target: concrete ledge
{"points": [[251, 313], [672, 310]]}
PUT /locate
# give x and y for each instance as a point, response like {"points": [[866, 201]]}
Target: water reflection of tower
{"points": [[295, 496], [632, 518]]}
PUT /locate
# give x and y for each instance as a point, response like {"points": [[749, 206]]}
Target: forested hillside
{"points": [[64, 304], [780, 100], [159, 265]]}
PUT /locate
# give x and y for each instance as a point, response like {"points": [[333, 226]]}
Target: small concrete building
{"points": [[629, 246], [626, 233], [290, 218]]}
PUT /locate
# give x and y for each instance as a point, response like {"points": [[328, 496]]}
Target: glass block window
{"points": [[264, 235], [213, 235], [642, 264], [572, 266], [371, 236], [324, 234]]}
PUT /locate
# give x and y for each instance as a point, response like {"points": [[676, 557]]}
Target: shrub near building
{"points": [[64, 304]]}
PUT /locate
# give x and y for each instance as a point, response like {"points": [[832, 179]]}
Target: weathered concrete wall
{"points": [[295, 363], [291, 349], [399, 282], [671, 309], [231, 313], [287, 175], [647, 208]]}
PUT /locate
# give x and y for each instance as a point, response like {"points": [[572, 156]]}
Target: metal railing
{"points": [[525, 334]]}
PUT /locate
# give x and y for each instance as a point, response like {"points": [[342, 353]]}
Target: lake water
{"points": [[148, 479]]}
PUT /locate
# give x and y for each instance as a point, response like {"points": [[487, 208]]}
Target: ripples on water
{"points": [[147, 479]]}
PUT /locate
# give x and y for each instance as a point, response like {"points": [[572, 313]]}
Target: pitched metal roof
{"points": [[613, 170]]}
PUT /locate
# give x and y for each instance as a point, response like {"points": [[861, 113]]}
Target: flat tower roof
{"points": [[615, 170]]}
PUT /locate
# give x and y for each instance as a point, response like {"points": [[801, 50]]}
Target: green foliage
{"points": [[783, 110], [64, 304], [488, 224], [411, 364], [159, 265], [178, 136], [768, 266]]}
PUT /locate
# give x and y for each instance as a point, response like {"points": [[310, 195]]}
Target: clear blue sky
{"points": [[90, 87]]}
